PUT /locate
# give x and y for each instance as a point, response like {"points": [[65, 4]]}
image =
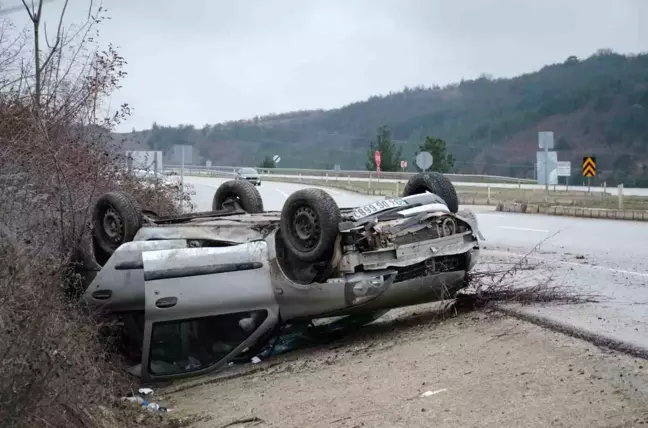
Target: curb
{"points": [[559, 210], [578, 333]]}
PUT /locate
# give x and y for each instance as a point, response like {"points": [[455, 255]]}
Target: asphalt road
{"points": [[274, 194], [596, 186], [608, 258]]}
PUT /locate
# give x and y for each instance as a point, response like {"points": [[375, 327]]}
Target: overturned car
{"points": [[195, 291]]}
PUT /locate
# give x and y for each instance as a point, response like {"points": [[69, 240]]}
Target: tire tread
{"points": [[249, 197]]}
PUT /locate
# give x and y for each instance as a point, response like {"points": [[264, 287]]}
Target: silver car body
{"points": [[167, 273]]}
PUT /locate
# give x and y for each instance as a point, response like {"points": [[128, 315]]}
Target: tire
{"points": [[433, 182], [115, 220], [313, 238], [240, 191]]}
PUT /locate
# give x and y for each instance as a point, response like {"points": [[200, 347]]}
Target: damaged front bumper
{"points": [[410, 254], [426, 271], [422, 272]]}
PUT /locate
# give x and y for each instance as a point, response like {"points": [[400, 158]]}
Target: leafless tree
{"points": [[57, 154]]}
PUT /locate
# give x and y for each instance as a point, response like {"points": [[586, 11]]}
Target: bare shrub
{"points": [[57, 156], [521, 282]]}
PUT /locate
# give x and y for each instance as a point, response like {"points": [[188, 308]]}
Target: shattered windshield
{"points": [[248, 171]]}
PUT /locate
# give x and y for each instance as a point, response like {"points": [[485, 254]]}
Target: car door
{"points": [[204, 306]]}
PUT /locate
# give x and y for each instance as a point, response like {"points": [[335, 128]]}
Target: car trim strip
{"points": [[129, 265], [184, 272]]}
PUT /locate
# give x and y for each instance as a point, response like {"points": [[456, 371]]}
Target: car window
{"points": [[188, 345], [248, 171]]}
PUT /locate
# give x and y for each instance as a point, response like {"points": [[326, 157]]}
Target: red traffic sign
{"points": [[377, 158], [403, 164]]}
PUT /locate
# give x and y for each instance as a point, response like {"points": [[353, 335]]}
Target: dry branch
{"points": [[519, 282]]}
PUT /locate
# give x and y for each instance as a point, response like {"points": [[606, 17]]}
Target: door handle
{"points": [[166, 302]]}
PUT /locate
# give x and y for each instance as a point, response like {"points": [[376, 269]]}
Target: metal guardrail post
{"points": [[620, 195]]}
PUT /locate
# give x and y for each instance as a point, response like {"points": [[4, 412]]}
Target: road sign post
{"points": [[563, 169], [377, 159], [546, 142], [589, 170], [404, 165], [547, 167]]}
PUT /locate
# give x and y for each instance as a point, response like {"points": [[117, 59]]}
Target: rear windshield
{"points": [[248, 171]]}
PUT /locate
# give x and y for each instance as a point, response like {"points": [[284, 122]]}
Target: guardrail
{"points": [[198, 172], [368, 175]]}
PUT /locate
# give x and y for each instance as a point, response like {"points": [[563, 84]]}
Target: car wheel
{"points": [[241, 193], [433, 182], [309, 224], [115, 220]]}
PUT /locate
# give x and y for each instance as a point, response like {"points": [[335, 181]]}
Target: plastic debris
{"points": [[431, 393], [136, 399], [143, 402], [256, 360]]}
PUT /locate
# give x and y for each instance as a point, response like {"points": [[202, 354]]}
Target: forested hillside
{"points": [[596, 106]]}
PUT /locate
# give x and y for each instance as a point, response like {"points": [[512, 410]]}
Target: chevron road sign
{"points": [[589, 166]]}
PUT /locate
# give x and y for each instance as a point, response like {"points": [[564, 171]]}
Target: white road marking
{"points": [[285, 195], [335, 192], [524, 228], [494, 214], [582, 265]]}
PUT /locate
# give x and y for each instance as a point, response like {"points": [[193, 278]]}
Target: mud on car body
{"points": [[195, 291]]}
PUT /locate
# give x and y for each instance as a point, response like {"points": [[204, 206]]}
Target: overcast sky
{"points": [[208, 61]]}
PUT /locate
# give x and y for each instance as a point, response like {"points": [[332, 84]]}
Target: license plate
{"points": [[376, 207]]}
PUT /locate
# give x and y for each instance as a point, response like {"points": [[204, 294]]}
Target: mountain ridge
{"points": [[597, 106]]}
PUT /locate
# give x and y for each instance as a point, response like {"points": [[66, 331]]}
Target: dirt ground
{"points": [[480, 370]]}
